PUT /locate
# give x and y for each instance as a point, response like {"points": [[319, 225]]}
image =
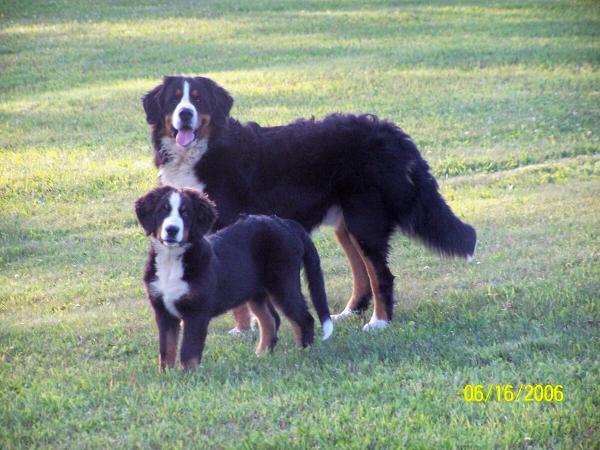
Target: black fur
{"points": [[368, 167], [258, 258], [145, 209]]}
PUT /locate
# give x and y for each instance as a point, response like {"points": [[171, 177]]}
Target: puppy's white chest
{"points": [[169, 283], [179, 170]]}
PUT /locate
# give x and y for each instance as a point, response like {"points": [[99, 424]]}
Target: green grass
{"points": [[502, 97]]}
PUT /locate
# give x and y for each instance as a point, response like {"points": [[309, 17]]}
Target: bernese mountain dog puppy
{"points": [[192, 278], [363, 175]]}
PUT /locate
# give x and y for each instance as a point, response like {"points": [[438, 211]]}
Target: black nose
{"points": [[186, 114], [172, 231]]}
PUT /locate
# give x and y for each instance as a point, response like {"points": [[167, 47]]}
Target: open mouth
{"points": [[185, 137], [170, 242]]}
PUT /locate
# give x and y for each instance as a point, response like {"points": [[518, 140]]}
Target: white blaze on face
{"points": [[185, 136], [173, 219], [185, 103]]}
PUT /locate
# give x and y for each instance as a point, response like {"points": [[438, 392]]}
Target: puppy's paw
{"points": [[190, 364]]}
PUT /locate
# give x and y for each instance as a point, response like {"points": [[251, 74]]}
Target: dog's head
{"points": [[186, 108], [175, 217]]}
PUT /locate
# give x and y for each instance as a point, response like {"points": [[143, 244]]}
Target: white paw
{"points": [[375, 324], [343, 315], [327, 328]]}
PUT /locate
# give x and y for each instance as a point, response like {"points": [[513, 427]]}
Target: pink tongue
{"points": [[184, 137]]}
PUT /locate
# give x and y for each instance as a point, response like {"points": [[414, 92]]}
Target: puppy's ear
{"points": [[145, 208], [221, 101], [205, 213], [153, 102]]}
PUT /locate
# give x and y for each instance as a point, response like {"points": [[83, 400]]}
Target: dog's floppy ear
{"points": [[145, 207], [221, 101], [153, 101], [205, 213]]}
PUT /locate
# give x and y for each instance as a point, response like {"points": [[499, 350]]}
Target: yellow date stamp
{"points": [[538, 393]]}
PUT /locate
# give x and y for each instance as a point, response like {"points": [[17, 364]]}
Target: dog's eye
{"points": [[167, 207], [183, 212], [178, 93]]}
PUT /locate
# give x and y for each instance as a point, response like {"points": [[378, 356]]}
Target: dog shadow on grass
{"points": [[433, 336]]}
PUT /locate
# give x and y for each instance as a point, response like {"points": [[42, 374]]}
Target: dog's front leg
{"points": [[168, 333], [194, 335]]}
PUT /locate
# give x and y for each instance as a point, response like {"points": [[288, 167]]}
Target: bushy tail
{"points": [[432, 221], [316, 284]]}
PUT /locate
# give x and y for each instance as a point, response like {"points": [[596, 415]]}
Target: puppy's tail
{"points": [[316, 285]]}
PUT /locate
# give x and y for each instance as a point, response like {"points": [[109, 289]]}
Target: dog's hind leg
{"points": [[382, 285], [274, 314], [243, 320], [267, 323], [369, 228], [294, 307], [361, 287], [301, 338]]}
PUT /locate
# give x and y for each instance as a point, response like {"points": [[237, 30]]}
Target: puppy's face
{"points": [[187, 109], [175, 217]]}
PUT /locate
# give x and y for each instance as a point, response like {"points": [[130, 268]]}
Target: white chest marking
{"points": [[179, 171], [169, 274], [332, 217]]}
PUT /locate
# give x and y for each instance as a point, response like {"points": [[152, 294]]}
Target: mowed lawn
{"points": [[502, 98]]}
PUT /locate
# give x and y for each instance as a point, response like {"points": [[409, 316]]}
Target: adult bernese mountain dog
{"points": [[193, 278], [363, 175]]}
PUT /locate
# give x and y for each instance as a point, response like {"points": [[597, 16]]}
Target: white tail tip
{"points": [[327, 328], [471, 257]]}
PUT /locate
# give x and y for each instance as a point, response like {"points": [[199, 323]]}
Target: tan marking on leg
{"points": [[297, 333], [378, 303], [266, 325], [171, 353], [360, 277], [242, 317]]}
